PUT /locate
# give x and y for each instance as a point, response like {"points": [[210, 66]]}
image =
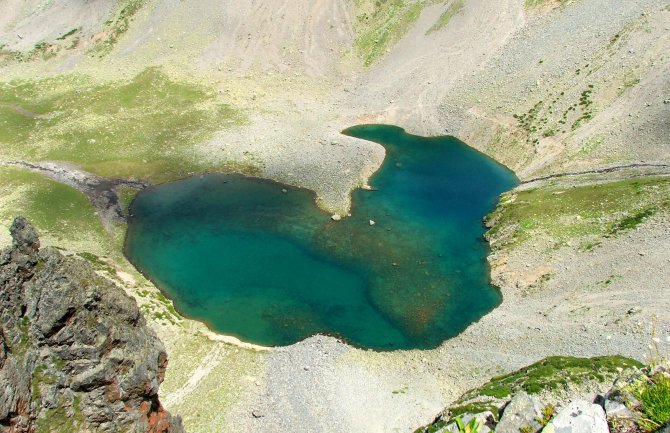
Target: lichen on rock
{"points": [[75, 352]]}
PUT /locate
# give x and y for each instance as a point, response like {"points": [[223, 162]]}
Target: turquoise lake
{"points": [[270, 268]]}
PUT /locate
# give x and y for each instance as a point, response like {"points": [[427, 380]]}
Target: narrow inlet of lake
{"points": [[258, 260]]}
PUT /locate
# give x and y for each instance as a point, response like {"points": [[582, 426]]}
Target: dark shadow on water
{"points": [[272, 269]]}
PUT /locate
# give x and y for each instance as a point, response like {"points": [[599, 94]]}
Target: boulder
{"points": [[522, 413], [74, 347], [579, 417], [615, 409]]}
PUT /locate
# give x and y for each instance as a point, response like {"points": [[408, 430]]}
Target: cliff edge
{"points": [[75, 352]]}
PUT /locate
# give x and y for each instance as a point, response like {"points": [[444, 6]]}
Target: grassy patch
{"points": [[654, 399], [98, 264], [142, 128], [61, 214], [594, 210], [381, 23], [531, 4], [126, 196], [57, 420], [477, 407], [553, 373], [454, 8], [116, 26]]}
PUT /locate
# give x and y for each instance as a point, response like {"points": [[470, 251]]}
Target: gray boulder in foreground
{"points": [[75, 353], [579, 417], [522, 412]]}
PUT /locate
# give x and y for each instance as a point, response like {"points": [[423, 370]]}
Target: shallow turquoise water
{"points": [[272, 269]]}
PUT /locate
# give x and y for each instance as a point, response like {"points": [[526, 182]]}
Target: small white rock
{"points": [[336, 217]]}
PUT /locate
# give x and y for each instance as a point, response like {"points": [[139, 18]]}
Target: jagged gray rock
{"points": [[579, 417], [615, 409], [75, 352], [522, 412]]}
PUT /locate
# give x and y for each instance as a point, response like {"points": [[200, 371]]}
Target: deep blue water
{"points": [[271, 268]]}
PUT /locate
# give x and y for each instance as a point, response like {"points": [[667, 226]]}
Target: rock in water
{"points": [[75, 352], [579, 417]]}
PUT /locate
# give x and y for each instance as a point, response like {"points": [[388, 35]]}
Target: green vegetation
{"points": [[553, 373], [654, 397], [454, 8], [597, 211], [381, 23], [98, 264], [476, 407], [630, 79], [143, 128], [67, 34], [57, 420], [472, 426], [126, 195], [158, 306], [116, 26], [530, 4], [539, 120], [60, 213], [20, 348], [548, 413], [402, 390], [433, 428]]}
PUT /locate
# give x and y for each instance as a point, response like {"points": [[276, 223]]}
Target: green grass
{"points": [[594, 211], [454, 8], [116, 26], [60, 213], [126, 196], [555, 373], [67, 34], [477, 407], [552, 374], [654, 399], [381, 23], [141, 128]]}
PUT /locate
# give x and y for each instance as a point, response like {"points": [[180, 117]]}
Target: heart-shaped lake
{"points": [[258, 260]]}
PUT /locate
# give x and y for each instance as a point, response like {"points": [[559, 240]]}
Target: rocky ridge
{"points": [[75, 351], [568, 395]]}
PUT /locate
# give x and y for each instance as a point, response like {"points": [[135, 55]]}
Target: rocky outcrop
{"points": [[579, 417], [540, 399], [522, 412], [75, 352]]}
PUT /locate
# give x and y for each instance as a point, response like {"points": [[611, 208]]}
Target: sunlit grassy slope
{"points": [[143, 128]]}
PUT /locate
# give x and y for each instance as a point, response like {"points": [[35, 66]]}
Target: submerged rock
{"points": [[75, 352]]}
